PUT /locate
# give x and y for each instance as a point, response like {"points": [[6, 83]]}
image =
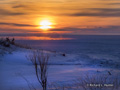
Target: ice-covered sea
{"points": [[87, 47], [79, 44]]}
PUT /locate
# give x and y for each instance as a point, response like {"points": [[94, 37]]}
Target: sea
{"points": [[80, 44], [103, 48]]}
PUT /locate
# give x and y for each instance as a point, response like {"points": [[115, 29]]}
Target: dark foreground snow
{"points": [[16, 69]]}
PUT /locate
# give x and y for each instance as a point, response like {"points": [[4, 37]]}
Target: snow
{"points": [[15, 68]]}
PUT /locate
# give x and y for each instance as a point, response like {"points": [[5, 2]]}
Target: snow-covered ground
{"points": [[16, 69]]}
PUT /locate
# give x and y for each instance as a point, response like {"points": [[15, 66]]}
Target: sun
{"points": [[45, 24]]}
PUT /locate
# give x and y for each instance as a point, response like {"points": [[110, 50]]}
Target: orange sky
{"points": [[77, 17]]}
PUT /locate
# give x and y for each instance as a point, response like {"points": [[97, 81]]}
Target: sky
{"points": [[55, 19]]}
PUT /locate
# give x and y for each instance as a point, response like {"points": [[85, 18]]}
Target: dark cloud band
{"points": [[5, 12], [15, 24], [101, 12]]}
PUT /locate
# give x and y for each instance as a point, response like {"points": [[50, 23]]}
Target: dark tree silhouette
{"points": [[40, 61]]}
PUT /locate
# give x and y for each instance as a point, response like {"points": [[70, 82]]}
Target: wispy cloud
{"points": [[109, 30], [10, 13], [20, 25], [101, 12], [113, 4], [95, 28], [19, 6]]}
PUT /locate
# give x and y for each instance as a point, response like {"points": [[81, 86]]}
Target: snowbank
{"points": [[15, 68]]}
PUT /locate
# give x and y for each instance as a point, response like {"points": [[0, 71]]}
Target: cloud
{"points": [[10, 13], [18, 6], [109, 30], [106, 9], [101, 12], [95, 28], [66, 29], [113, 3], [73, 30], [20, 25]]}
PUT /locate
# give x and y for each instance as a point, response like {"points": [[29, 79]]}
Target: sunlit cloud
{"points": [[10, 13], [16, 24], [109, 30], [101, 12], [64, 16], [19, 6]]}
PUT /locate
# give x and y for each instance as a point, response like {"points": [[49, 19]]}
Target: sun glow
{"points": [[45, 24]]}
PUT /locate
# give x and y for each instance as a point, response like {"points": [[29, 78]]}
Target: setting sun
{"points": [[45, 24]]}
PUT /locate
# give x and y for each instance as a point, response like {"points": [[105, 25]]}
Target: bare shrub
{"points": [[90, 82], [40, 61], [99, 82]]}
